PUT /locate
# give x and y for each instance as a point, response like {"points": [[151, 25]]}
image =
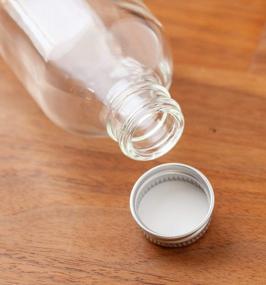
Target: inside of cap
{"points": [[172, 205]]}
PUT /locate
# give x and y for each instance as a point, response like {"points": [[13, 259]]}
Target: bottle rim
{"points": [[165, 129]]}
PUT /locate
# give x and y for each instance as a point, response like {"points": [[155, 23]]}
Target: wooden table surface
{"points": [[64, 214]]}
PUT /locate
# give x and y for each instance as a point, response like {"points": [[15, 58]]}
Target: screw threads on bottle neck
{"points": [[144, 120]]}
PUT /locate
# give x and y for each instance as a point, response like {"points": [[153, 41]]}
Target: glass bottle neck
{"points": [[143, 119]]}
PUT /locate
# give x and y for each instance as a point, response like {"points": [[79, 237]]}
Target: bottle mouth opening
{"points": [[152, 132]]}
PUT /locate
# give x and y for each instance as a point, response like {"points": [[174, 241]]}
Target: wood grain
{"points": [[64, 215]]}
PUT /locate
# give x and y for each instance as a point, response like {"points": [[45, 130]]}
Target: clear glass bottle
{"points": [[95, 67]]}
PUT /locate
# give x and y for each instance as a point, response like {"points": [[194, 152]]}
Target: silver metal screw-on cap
{"points": [[172, 203]]}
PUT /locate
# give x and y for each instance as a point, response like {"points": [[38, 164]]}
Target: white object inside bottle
{"points": [[70, 34]]}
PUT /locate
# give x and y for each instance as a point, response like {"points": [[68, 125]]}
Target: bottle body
{"points": [[95, 66]]}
